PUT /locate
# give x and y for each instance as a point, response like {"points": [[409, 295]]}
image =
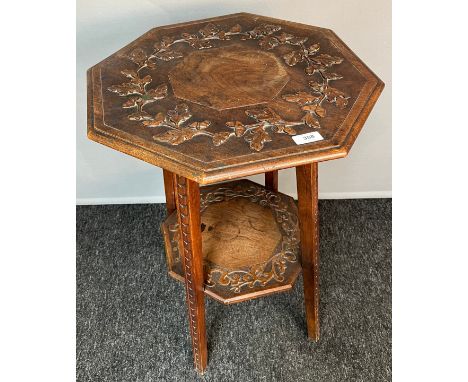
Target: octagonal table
{"points": [[219, 99]]}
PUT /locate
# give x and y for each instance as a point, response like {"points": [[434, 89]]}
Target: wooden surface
{"points": [[307, 191], [228, 77], [188, 212], [271, 181], [169, 189], [233, 230], [220, 98], [250, 241]]}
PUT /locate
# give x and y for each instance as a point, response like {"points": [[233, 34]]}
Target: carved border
{"points": [[178, 130], [272, 270]]}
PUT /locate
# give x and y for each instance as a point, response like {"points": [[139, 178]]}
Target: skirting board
{"points": [[162, 199]]}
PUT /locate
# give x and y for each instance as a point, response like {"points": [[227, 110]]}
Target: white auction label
{"points": [[307, 138]]}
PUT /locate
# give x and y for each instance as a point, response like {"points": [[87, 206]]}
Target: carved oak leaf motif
{"points": [[235, 29], [302, 98], [341, 102], [195, 42], [265, 114], [264, 30], [179, 115], [152, 95], [220, 138], [257, 134], [317, 109], [129, 73], [174, 120], [311, 121], [331, 76], [310, 104], [239, 128], [314, 48], [157, 121], [164, 43], [127, 88], [138, 56], [336, 96], [132, 102], [297, 40], [327, 60], [312, 68], [284, 128], [209, 30], [292, 58], [257, 137], [316, 87], [168, 55], [135, 86], [139, 116], [200, 125], [176, 137], [142, 82], [284, 37], [268, 42]]}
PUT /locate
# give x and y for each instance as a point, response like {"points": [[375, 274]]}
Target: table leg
{"points": [[271, 180], [169, 188], [307, 192], [188, 212]]}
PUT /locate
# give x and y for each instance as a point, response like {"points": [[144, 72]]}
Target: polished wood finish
{"points": [[220, 99], [271, 181], [307, 191], [235, 218], [188, 211], [228, 77], [179, 128], [170, 189]]}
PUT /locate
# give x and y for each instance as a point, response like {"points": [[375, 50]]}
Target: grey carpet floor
{"points": [[131, 322]]}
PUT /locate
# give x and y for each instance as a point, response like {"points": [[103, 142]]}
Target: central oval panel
{"points": [[228, 77]]}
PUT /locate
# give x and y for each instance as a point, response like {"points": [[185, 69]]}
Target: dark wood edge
{"points": [[244, 297]]}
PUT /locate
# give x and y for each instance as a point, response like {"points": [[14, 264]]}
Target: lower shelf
{"points": [[250, 241]]}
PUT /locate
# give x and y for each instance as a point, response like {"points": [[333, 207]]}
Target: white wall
{"points": [[104, 26]]}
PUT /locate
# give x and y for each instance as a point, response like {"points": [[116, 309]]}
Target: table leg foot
{"points": [[188, 210], [307, 191]]}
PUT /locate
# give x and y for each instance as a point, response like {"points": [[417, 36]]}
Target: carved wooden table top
{"points": [[222, 98]]}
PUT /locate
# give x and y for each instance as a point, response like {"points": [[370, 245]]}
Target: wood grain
{"points": [[188, 211], [271, 181], [170, 189], [307, 190], [202, 147]]}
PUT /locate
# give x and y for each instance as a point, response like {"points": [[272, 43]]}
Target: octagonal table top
{"points": [[231, 96]]}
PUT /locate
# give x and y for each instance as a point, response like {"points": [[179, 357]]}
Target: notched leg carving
{"points": [[188, 210]]}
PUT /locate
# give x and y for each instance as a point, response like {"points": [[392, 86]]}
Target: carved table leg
{"points": [[271, 181], [307, 191], [188, 211], [169, 188]]}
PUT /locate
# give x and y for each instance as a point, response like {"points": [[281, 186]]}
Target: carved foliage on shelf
{"points": [[267, 121], [260, 274]]}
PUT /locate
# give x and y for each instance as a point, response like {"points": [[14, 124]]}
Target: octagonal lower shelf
{"points": [[250, 241]]}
